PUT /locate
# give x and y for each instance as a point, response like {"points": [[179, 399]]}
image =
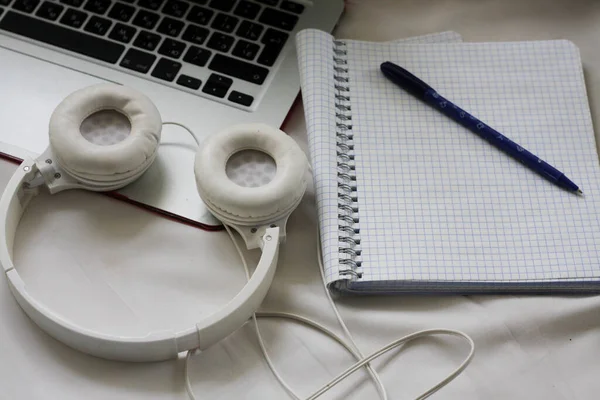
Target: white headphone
{"points": [[259, 214]]}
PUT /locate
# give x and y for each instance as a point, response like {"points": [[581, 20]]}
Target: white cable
{"points": [[283, 315], [188, 385], [356, 366], [396, 343], [372, 372], [315, 325], [186, 128], [272, 314]]}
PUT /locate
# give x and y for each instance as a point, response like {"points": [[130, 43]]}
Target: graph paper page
{"points": [[438, 203], [315, 56]]}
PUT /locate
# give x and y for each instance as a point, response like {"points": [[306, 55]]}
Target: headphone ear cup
{"points": [[94, 163], [240, 205]]}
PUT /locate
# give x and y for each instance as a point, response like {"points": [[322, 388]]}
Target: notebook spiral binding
{"points": [[348, 220]]}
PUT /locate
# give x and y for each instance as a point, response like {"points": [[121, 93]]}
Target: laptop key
{"points": [[151, 4], [273, 37], [26, 5], [269, 55], [172, 48], [238, 69], [197, 56], [292, 7], [137, 60], [246, 50], [97, 6], [97, 25], [4, 2], [189, 82], [195, 34], [274, 41], [59, 36], [278, 19], [269, 2], [73, 18], [225, 23], [170, 26], [146, 40], [122, 12], [166, 69], [222, 5], [49, 10], [72, 3], [246, 9], [220, 41], [249, 30], [240, 98], [122, 33], [175, 8], [200, 15], [217, 85], [146, 19]]}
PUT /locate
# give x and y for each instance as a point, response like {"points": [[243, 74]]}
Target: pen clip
{"points": [[405, 79]]}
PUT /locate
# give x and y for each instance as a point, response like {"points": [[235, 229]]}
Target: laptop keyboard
{"points": [[202, 46]]}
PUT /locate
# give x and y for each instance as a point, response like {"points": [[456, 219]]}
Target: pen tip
{"points": [[579, 192]]}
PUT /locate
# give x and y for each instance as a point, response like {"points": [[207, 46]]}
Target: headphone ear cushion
{"points": [[93, 162], [250, 205]]}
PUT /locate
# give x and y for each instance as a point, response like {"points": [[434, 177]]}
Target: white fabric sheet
{"points": [[529, 347]]}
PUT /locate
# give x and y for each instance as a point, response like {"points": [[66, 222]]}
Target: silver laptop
{"points": [[206, 64]]}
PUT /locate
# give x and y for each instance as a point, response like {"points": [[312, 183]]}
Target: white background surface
{"points": [[528, 347]]}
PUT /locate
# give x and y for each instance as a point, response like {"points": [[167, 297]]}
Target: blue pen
{"points": [[423, 91]]}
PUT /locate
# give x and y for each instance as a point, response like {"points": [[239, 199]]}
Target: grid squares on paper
{"points": [[315, 55], [437, 203]]}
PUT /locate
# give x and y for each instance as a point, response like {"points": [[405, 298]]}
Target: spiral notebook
{"points": [[410, 201]]}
